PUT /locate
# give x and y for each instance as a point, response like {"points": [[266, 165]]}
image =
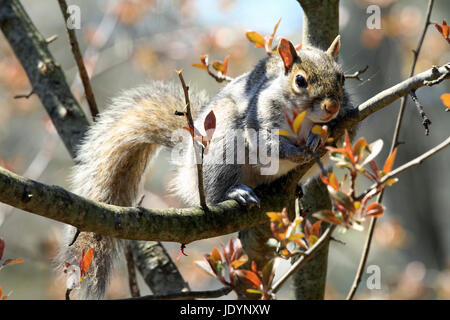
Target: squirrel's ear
{"points": [[287, 53], [333, 50]]}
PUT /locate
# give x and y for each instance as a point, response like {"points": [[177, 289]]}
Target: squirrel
{"points": [[117, 148]]}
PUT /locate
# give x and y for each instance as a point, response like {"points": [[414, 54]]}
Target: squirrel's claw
{"points": [[244, 195], [313, 142]]}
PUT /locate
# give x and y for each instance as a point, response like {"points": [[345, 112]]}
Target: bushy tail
{"points": [[111, 161]]}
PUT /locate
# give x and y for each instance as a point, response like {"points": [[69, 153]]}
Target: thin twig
{"points": [[440, 79], [75, 237], [356, 74], [426, 122], [218, 77], [201, 190], [324, 238], [132, 280], [365, 253], [51, 38], [406, 166], [26, 96], [80, 62], [187, 295]]}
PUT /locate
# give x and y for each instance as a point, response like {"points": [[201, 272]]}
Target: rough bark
{"points": [[48, 82]]}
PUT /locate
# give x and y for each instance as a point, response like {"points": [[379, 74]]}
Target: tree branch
{"points": [[307, 255], [79, 60], [45, 75], [178, 225], [31, 49], [373, 221], [406, 166]]}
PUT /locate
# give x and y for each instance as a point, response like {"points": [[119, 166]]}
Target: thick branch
{"points": [[45, 75], [320, 22], [179, 225], [388, 96]]}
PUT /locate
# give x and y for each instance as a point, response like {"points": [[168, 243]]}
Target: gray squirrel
{"points": [[117, 148]]}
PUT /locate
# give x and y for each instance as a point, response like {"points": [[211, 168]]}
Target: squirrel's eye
{"points": [[300, 81]]}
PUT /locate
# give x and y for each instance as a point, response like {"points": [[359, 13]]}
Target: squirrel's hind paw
{"points": [[244, 195]]}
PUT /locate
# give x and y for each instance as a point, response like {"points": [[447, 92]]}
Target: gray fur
{"points": [[117, 148]]}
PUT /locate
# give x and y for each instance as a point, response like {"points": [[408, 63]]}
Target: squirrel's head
{"points": [[315, 80]]}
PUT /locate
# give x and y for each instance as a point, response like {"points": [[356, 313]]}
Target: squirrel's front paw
{"points": [[313, 142], [244, 195]]}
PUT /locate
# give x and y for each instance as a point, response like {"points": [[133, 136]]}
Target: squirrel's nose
{"points": [[330, 106]]}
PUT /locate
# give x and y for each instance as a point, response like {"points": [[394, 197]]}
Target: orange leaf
{"points": [[256, 38], [334, 181], [446, 99], [298, 122], [444, 30], [358, 147], [218, 66], [390, 162], [375, 209], [237, 263], [204, 59], [86, 261], [225, 64], [275, 29], [274, 216], [250, 277], [11, 262], [215, 255], [200, 66], [348, 147]]}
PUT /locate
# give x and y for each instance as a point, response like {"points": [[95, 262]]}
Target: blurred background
{"points": [[127, 43]]}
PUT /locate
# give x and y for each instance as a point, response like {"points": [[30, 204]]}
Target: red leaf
{"points": [[315, 230], [210, 121]]}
